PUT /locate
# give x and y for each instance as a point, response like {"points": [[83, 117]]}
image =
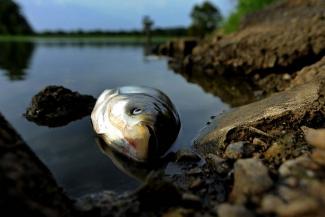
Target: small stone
{"points": [[235, 150], [261, 143], [239, 150], [274, 151], [228, 210], [178, 212], [315, 137], [319, 156], [286, 77], [304, 206], [300, 167], [185, 155], [194, 171], [191, 200], [196, 183], [292, 182], [218, 164], [289, 194], [251, 178], [270, 203]]}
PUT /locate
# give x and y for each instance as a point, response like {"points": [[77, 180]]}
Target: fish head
{"points": [[133, 123]]}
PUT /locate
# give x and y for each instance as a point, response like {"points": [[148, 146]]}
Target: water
{"points": [[71, 152]]}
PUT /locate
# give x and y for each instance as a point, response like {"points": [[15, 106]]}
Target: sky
{"points": [[111, 14]]}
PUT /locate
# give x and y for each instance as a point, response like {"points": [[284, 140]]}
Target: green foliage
{"points": [[244, 7], [205, 19], [12, 21]]}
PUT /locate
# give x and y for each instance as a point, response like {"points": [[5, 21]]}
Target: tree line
{"points": [[12, 22], [205, 18]]}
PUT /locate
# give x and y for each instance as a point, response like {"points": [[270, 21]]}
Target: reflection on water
{"points": [[134, 169], [235, 91], [71, 152], [15, 58]]}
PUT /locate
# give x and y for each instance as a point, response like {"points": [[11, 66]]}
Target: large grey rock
{"points": [[27, 188], [290, 109]]}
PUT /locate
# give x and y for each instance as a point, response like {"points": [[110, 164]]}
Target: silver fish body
{"points": [[139, 122]]}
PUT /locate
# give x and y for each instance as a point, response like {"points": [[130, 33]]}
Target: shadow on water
{"points": [[15, 58]]}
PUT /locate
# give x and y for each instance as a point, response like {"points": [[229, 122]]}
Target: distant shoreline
{"points": [[132, 39]]}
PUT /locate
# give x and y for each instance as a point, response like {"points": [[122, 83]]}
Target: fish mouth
{"points": [[137, 140]]}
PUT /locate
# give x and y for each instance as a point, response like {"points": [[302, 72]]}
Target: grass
{"points": [[244, 7], [123, 39]]}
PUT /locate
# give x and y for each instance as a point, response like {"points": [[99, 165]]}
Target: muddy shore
{"points": [[266, 157]]}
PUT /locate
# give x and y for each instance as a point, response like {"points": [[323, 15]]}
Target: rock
{"points": [[196, 183], [158, 192], [178, 212], [303, 206], [251, 178], [270, 203], [315, 137], [299, 206], [275, 151], [191, 200], [218, 164], [185, 155], [239, 150], [286, 77], [101, 202], [27, 186], [228, 210], [260, 143], [259, 119], [57, 106], [319, 156], [194, 171], [301, 167]]}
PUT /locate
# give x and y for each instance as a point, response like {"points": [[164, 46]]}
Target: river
{"points": [[70, 152]]}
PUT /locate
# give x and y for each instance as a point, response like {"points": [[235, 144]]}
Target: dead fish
{"points": [[315, 137], [139, 122]]}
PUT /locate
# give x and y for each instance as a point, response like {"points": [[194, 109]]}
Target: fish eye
{"points": [[136, 111]]}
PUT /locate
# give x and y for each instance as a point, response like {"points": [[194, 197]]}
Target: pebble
{"points": [[315, 137], [239, 150], [318, 156], [228, 210], [218, 164], [186, 155], [251, 178], [261, 143], [286, 77]]}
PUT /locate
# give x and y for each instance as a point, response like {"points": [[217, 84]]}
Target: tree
{"points": [[147, 23], [12, 22], [205, 19]]}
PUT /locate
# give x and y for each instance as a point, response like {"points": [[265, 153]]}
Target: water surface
{"points": [[71, 152]]}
